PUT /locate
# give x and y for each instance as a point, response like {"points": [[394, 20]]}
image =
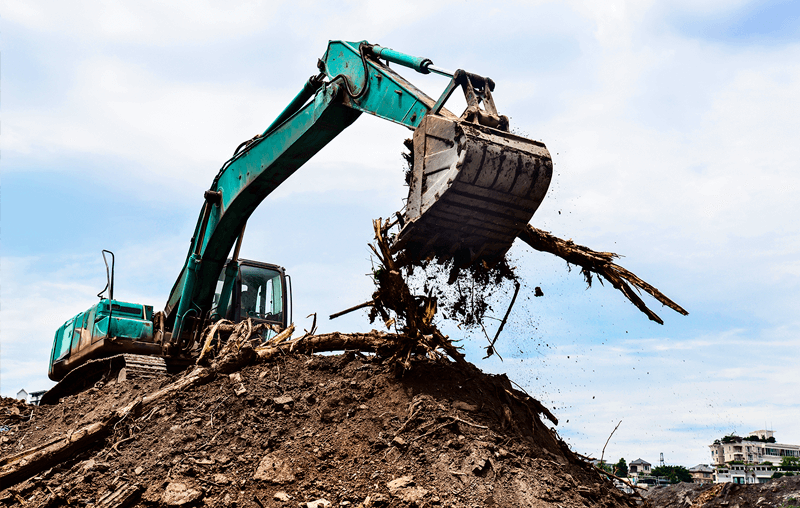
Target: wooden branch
{"points": [[373, 341], [603, 453], [352, 309], [490, 350], [602, 264]]}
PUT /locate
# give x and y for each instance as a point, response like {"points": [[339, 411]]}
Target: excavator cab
{"points": [[260, 291]]}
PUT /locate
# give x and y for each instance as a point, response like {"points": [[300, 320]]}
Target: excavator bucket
{"points": [[473, 189]]}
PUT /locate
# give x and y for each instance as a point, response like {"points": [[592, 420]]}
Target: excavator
{"points": [[473, 187]]}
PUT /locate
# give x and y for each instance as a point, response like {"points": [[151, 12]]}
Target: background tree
{"points": [[675, 474], [605, 466], [621, 468], [790, 462]]}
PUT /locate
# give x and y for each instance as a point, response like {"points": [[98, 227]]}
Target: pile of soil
{"points": [[12, 412], [780, 492], [313, 430]]}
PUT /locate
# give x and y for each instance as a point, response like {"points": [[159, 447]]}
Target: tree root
{"points": [[600, 263]]}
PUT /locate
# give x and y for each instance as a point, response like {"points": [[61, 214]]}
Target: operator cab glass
{"points": [[261, 294]]}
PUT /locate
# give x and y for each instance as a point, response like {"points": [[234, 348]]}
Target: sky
{"points": [[673, 129]]}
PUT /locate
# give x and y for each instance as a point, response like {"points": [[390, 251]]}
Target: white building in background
{"points": [[639, 467], [752, 452], [744, 473], [30, 398]]}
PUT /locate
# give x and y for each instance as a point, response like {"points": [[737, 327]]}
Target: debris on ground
{"points": [[779, 492], [277, 425]]}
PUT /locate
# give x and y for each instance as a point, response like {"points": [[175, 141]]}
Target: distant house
{"points": [[702, 474], [639, 467], [30, 398], [35, 397]]}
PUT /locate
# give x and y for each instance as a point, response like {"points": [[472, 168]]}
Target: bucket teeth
{"points": [[472, 190]]}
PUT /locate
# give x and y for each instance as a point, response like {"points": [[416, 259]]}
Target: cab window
{"points": [[261, 293]]}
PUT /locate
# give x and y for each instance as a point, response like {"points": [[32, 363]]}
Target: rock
{"points": [[319, 503], [399, 442], [236, 377], [479, 466], [273, 468], [180, 494], [240, 390], [283, 400], [412, 495], [139, 470], [403, 488], [220, 479], [399, 483], [281, 496], [222, 459]]}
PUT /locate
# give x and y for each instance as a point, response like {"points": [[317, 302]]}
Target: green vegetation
{"points": [[790, 462], [675, 474], [759, 439], [791, 502], [733, 438], [605, 467], [621, 468]]}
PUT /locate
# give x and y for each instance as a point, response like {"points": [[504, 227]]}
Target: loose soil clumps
{"points": [[780, 492], [313, 430]]}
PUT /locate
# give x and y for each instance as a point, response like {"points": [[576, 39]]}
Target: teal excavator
{"points": [[473, 187]]}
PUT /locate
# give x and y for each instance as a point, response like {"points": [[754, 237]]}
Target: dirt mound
{"points": [[780, 492], [349, 430], [12, 412]]}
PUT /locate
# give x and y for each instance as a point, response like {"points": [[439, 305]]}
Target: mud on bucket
{"points": [[473, 189]]}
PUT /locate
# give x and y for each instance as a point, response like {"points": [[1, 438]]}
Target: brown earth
{"points": [[349, 430], [778, 493]]}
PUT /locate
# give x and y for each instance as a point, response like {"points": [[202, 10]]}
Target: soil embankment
{"points": [[312, 430]]}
